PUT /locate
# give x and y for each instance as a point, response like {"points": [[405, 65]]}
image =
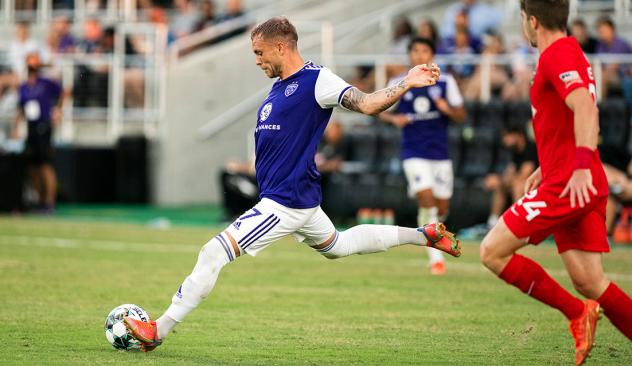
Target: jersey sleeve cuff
{"points": [[342, 93], [569, 89]]}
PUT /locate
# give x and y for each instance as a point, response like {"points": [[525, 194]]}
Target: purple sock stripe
{"points": [[262, 232], [226, 247], [331, 245], [252, 232]]}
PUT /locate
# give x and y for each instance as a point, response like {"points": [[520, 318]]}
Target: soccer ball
{"points": [[115, 330]]}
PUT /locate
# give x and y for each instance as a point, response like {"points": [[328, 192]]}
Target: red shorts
{"points": [[541, 213]]}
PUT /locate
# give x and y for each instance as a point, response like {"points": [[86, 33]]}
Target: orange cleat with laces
{"points": [[145, 332], [583, 330], [438, 237]]}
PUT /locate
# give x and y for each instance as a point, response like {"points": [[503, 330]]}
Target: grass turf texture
{"points": [[287, 306]]}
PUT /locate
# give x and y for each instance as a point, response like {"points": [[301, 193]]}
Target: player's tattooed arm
{"points": [[374, 103], [381, 100]]}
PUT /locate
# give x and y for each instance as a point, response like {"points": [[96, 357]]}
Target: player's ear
{"points": [[280, 46], [533, 22]]}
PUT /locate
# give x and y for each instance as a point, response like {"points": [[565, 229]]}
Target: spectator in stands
{"points": [[423, 114], [92, 37], [333, 150], [157, 16], [208, 17], [483, 18], [133, 74], [40, 104], [234, 9], [91, 80], [402, 34], [617, 164], [579, 30], [510, 184], [498, 73], [610, 43], [239, 187], [462, 26], [522, 68], [60, 39], [21, 46], [462, 47], [185, 19], [364, 78], [25, 4], [428, 29]]}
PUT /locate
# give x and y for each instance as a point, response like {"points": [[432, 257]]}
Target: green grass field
{"points": [[288, 306]]}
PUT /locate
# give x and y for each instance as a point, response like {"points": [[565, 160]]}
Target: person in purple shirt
{"points": [[290, 124], [483, 18], [40, 103], [614, 74]]}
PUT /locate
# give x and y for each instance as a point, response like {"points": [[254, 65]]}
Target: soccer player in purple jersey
{"points": [[290, 123], [424, 114]]}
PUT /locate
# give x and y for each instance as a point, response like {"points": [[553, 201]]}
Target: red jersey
{"points": [[562, 68]]}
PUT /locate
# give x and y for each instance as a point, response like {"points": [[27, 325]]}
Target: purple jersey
{"points": [[38, 99], [427, 136], [290, 124]]}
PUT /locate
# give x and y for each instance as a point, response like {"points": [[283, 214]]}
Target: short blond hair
{"points": [[277, 28]]}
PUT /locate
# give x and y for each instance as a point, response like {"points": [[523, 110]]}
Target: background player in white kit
{"points": [[423, 114], [290, 124]]}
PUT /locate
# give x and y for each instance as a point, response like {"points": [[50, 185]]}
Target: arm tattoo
{"points": [[353, 99], [392, 92], [357, 101]]}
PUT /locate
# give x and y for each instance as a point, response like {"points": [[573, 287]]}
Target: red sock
{"points": [[531, 279], [618, 308]]}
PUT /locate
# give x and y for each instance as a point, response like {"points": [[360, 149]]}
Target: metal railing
{"points": [[111, 69]]}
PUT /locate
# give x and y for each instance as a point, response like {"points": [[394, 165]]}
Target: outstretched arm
{"points": [[381, 100]]}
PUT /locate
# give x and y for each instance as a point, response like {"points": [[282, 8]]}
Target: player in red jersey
{"points": [[566, 196]]}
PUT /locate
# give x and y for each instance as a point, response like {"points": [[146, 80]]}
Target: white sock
{"points": [[425, 216], [198, 285], [165, 324], [492, 220], [365, 239]]}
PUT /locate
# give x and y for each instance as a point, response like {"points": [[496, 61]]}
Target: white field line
{"points": [[107, 245], [124, 246]]}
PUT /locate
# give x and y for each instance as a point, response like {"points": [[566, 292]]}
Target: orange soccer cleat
{"points": [[439, 238], [583, 330], [145, 332]]}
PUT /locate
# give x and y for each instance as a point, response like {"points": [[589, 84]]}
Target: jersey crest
{"points": [[290, 89]]}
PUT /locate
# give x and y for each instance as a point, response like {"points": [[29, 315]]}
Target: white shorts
{"points": [[269, 221], [423, 174]]}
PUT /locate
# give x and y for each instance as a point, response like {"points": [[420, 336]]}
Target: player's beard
{"points": [[275, 70]]}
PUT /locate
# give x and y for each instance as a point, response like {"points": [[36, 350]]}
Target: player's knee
{"points": [[336, 249], [488, 255], [484, 253], [590, 286]]}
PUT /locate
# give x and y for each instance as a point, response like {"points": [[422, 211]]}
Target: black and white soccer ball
{"points": [[115, 330]]}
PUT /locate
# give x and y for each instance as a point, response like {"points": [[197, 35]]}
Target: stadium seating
{"points": [[614, 122]]}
